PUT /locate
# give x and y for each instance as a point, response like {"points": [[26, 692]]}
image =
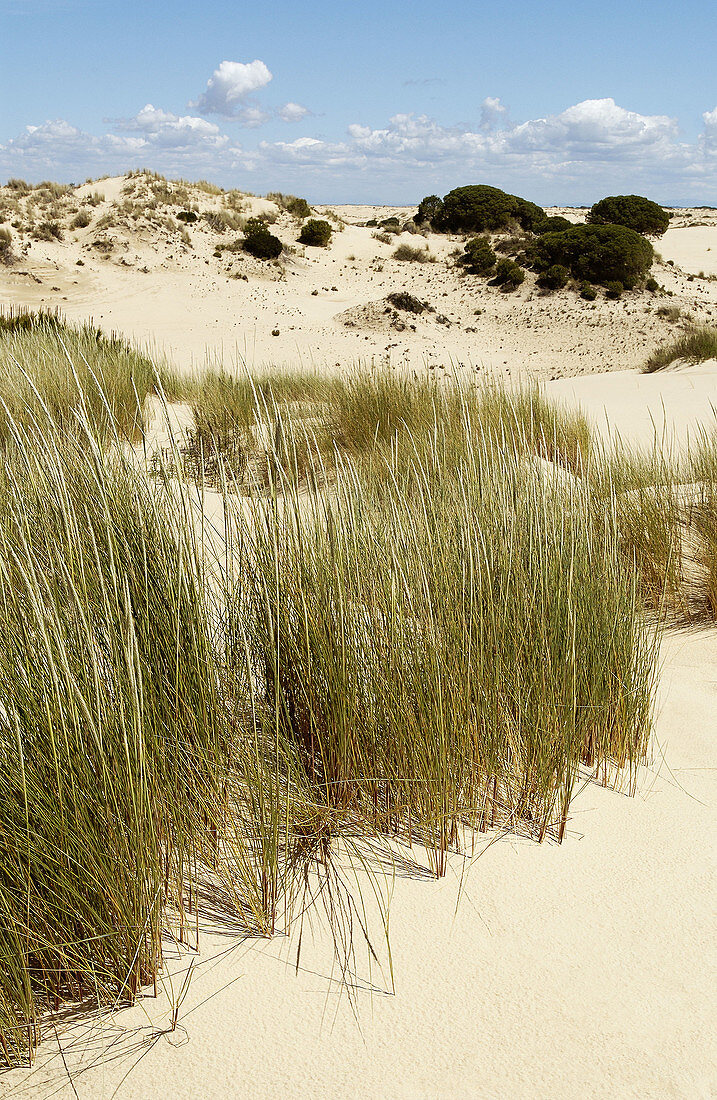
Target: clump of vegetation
{"points": [[613, 289], [588, 292], [652, 285], [259, 242], [597, 253], [222, 220], [187, 216], [6, 253], [478, 257], [292, 204], [554, 278], [316, 233], [48, 231], [408, 254], [406, 302], [634, 211], [508, 275], [696, 345], [477, 208], [448, 639], [81, 220], [19, 186]]}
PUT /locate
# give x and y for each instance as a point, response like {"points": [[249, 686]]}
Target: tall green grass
{"points": [[695, 345], [421, 620]]}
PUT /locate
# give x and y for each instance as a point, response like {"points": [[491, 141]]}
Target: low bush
{"points": [[409, 254], [81, 220], [292, 204], [597, 253], [555, 278], [508, 275], [478, 257], [588, 292], [613, 289], [406, 302], [186, 216], [554, 224], [633, 211], [6, 254], [652, 285], [259, 242], [315, 233], [476, 208], [47, 231], [429, 209]]}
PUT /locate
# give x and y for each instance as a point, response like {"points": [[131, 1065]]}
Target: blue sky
{"points": [[377, 102]]}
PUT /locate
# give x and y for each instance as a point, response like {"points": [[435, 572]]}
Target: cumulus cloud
{"points": [[293, 112], [710, 135], [493, 113], [591, 148], [229, 86], [173, 131]]}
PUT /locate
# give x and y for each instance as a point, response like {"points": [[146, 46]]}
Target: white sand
{"points": [[328, 305], [585, 969]]}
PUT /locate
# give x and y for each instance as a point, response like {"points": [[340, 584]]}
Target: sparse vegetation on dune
{"points": [[695, 345]]}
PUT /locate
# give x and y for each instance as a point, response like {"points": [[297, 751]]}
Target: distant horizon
{"points": [[176, 177], [361, 104]]}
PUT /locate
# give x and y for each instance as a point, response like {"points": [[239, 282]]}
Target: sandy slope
{"points": [[327, 306]]}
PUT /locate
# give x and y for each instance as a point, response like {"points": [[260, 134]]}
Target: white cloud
{"points": [[493, 113], [596, 127], [293, 112], [592, 148], [229, 86], [710, 134], [173, 131]]}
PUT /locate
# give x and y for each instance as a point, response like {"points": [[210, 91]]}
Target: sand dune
{"points": [[327, 307], [530, 971]]}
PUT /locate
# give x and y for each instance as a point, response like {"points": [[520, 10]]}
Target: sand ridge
{"points": [[326, 307]]}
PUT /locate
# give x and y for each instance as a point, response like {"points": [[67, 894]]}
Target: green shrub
{"points": [[633, 211], [508, 275], [186, 216], [292, 204], [554, 224], [298, 207], [6, 255], [652, 285], [409, 254], [259, 242], [81, 220], [555, 278], [429, 209], [406, 302], [478, 257], [479, 207], [597, 253], [588, 292], [315, 232], [48, 231], [613, 289]]}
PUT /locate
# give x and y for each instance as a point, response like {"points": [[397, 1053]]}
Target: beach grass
{"points": [[425, 619]]}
